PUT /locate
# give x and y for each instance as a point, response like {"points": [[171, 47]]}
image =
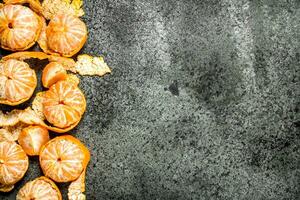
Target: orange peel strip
{"points": [[77, 187], [53, 7], [35, 5], [89, 65], [15, 130], [29, 117], [68, 63], [6, 188], [5, 135], [85, 65]]}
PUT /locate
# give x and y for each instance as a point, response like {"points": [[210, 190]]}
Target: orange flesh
{"points": [[19, 27], [17, 82], [66, 34], [13, 163], [32, 139], [63, 104], [53, 73], [41, 188], [64, 158]]}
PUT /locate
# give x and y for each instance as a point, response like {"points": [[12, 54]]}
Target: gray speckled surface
{"points": [[203, 101]]}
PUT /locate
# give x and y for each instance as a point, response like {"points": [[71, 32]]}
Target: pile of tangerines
{"points": [[55, 25]]}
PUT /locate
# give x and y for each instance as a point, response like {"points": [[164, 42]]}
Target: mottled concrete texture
{"points": [[203, 102]]}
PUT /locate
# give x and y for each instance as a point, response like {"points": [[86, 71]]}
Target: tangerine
{"points": [[20, 27], [17, 82], [64, 158], [66, 34], [63, 104], [13, 163], [41, 188]]}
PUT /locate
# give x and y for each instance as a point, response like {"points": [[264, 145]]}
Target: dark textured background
{"points": [[203, 101]]}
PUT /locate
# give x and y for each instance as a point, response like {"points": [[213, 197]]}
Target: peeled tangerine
{"points": [[63, 104], [64, 158], [40, 188], [17, 82], [20, 27], [53, 73], [32, 139], [66, 34], [13, 164]]}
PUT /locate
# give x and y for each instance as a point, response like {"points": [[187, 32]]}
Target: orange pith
{"points": [[35, 5], [17, 82], [32, 139], [64, 158], [63, 104], [19, 27], [53, 73], [66, 34], [40, 188], [13, 163]]}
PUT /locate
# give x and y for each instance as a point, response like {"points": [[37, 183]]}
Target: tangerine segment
{"points": [[13, 163], [18, 82], [64, 158], [66, 34], [63, 104], [40, 188], [53, 73], [32, 138], [19, 27]]}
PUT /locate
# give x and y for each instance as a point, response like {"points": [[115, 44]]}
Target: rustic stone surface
{"points": [[203, 101]]}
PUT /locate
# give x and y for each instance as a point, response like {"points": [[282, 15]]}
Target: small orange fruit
{"points": [[66, 34], [20, 27], [64, 158], [13, 163], [32, 138], [53, 73], [63, 104], [40, 188], [17, 82]]}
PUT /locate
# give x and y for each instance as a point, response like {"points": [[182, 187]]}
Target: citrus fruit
{"points": [[53, 73], [13, 163], [66, 34], [40, 188], [64, 158], [63, 104], [17, 82], [32, 138], [20, 27]]}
